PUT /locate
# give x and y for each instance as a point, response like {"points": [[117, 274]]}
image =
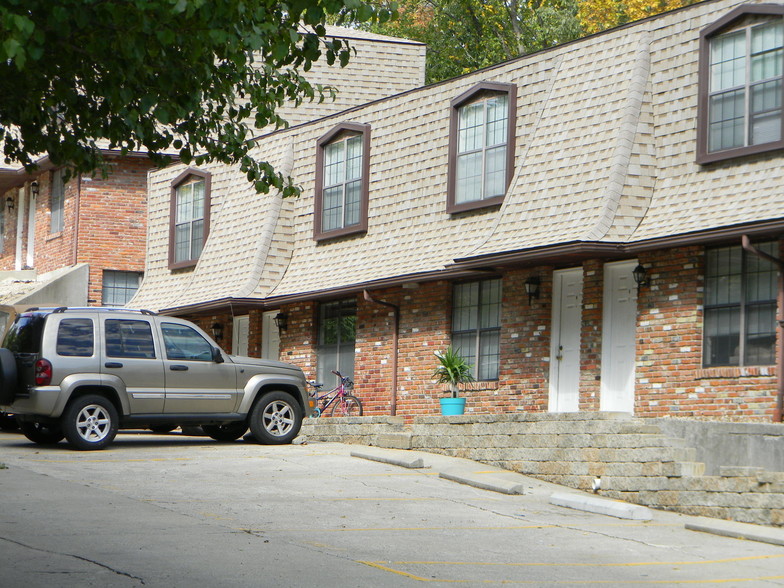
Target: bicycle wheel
{"points": [[347, 406]]}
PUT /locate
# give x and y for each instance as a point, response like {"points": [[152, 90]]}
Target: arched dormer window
{"points": [[342, 181], [189, 218], [740, 80], [481, 146]]}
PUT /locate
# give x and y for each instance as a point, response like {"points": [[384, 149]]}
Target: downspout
{"points": [[77, 206], [396, 311], [778, 413]]}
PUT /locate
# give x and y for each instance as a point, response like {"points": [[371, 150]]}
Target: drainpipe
{"points": [[778, 413], [396, 311]]}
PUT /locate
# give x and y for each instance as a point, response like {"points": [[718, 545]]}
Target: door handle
{"points": [[559, 357], [113, 364], [178, 368]]}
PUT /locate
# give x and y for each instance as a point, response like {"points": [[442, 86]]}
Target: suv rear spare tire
{"points": [[275, 419], [90, 422], [8, 380]]}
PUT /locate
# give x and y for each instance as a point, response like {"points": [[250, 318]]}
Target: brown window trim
{"points": [[178, 181], [713, 30], [362, 226], [491, 87]]}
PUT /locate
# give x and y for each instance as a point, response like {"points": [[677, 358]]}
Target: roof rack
{"points": [[102, 309]]}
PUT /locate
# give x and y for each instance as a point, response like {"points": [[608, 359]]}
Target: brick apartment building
{"points": [[77, 243], [572, 220]]}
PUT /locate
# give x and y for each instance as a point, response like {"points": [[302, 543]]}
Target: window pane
{"points": [[465, 345], [354, 158], [334, 171], [728, 61], [495, 174], [760, 335], [119, 287], [465, 309], [470, 133], [183, 342], [182, 239], [129, 338], [184, 203], [197, 238], [337, 332], [353, 196], [75, 338], [722, 336], [469, 178], [491, 304], [489, 355], [727, 115]]}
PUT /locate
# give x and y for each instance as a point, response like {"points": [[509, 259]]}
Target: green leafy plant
{"points": [[452, 369]]}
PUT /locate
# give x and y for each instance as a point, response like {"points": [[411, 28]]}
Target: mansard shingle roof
{"points": [[605, 154]]}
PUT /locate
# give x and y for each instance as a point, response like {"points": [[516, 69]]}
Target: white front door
{"points": [[239, 337], [565, 344], [270, 336], [618, 337]]}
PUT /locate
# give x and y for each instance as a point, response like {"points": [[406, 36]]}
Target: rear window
{"points": [[75, 338], [24, 336]]}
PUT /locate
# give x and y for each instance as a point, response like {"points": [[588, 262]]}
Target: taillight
{"points": [[43, 372]]}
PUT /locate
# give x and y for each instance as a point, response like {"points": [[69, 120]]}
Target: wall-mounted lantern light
{"points": [[532, 288], [9, 204], [217, 331], [34, 188], [282, 321], [640, 277]]}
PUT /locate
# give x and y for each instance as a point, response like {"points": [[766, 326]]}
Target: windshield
{"points": [[24, 336]]}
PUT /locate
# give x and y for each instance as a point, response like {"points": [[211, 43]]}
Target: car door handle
{"points": [[178, 368], [113, 364]]}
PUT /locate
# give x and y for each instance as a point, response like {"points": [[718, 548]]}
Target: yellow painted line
{"points": [[387, 529], [377, 565], [112, 460], [591, 565]]}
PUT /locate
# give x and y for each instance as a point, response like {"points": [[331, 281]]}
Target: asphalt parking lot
{"points": [[155, 510]]}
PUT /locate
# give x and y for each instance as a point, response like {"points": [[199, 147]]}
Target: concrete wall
{"points": [[634, 459], [730, 444]]}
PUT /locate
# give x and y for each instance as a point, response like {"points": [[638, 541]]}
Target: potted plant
{"points": [[453, 370]]}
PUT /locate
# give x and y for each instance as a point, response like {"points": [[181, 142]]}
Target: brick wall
{"points": [[670, 379], [108, 218]]}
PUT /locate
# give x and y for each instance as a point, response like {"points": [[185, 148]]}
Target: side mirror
{"points": [[217, 356]]}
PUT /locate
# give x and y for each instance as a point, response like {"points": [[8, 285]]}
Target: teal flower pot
{"points": [[452, 406]]}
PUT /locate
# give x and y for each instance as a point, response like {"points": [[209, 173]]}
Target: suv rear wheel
{"points": [[90, 422], [42, 433], [275, 419], [228, 432]]}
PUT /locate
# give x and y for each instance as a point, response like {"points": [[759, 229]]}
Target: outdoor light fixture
{"points": [[282, 321], [34, 188], [217, 331], [640, 277], [9, 203], [532, 288]]}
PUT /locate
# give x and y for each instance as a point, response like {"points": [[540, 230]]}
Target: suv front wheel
{"points": [[90, 422], [275, 419]]}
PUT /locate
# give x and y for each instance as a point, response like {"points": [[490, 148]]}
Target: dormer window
{"points": [[481, 146], [189, 218], [741, 67], [342, 180]]}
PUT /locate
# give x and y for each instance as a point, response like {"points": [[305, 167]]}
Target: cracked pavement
{"points": [[155, 510]]}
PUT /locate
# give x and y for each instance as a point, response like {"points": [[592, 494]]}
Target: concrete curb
{"points": [[483, 482], [738, 530], [605, 506], [397, 460]]}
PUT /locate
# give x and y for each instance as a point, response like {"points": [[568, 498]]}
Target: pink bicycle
{"points": [[343, 403]]}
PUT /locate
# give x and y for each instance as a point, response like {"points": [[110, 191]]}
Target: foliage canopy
{"points": [[186, 77]]}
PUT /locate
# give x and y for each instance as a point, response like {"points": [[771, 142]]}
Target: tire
{"points": [[347, 406], [275, 418], [229, 432], [41, 433], [161, 429], [8, 422], [90, 422], [8, 381]]}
